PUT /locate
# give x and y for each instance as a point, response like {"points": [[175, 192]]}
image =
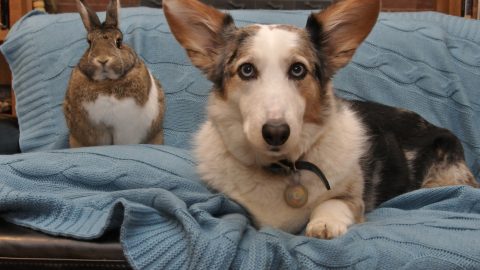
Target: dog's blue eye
{"points": [[297, 71], [247, 71]]}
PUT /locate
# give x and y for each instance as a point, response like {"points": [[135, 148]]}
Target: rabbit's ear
{"points": [[89, 17], [113, 11]]}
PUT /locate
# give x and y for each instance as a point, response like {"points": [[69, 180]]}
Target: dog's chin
{"points": [[271, 154], [274, 149]]}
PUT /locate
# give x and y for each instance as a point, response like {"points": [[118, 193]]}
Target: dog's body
{"points": [[273, 100]]}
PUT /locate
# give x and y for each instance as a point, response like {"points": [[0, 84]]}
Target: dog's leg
{"points": [[332, 218], [447, 166], [448, 174]]}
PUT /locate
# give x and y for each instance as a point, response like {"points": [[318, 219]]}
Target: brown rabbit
{"points": [[112, 97]]}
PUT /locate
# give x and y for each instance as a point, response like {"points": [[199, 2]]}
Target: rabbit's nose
{"points": [[103, 60]]}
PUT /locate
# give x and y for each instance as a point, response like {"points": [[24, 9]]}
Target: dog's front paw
{"points": [[326, 229]]}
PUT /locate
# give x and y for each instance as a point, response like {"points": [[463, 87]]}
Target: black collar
{"points": [[287, 167]]}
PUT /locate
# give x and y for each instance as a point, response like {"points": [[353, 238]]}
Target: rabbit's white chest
{"points": [[129, 122]]}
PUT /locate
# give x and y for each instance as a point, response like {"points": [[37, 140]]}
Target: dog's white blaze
{"points": [[272, 47], [272, 96], [130, 122]]}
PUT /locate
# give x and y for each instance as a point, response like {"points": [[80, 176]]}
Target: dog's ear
{"points": [[199, 28], [338, 30]]}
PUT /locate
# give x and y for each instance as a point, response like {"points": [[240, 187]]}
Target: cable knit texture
{"points": [[169, 220], [425, 62]]}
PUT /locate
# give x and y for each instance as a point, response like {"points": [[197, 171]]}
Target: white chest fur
{"points": [[128, 121]]}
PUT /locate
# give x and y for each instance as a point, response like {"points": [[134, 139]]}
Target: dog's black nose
{"points": [[275, 134]]}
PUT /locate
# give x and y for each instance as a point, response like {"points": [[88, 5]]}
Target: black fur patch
{"points": [[228, 21], [218, 73], [393, 131], [317, 37]]}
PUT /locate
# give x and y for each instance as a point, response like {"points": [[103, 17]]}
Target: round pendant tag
{"points": [[296, 196]]}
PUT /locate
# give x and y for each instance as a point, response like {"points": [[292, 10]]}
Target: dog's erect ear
{"points": [[89, 17], [338, 30], [113, 13], [199, 28]]}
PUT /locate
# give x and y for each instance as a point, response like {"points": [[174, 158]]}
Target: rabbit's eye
{"points": [[118, 42]]}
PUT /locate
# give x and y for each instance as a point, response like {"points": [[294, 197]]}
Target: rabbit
{"points": [[112, 97]]}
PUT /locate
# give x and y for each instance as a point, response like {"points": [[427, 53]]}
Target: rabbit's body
{"points": [[109, 115], [112, 97]]}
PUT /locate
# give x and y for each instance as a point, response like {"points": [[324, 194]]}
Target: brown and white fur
{"points": [[273, 99], [112, 97]]}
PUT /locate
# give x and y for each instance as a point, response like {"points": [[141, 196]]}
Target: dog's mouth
{"points": [[274, 149], [275, 152]]}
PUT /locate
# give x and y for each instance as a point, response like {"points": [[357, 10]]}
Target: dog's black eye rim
{"points": [[247, 71], [297, 71], [118, 42]]}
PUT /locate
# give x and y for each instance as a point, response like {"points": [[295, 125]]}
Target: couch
{"points": [[143, 206], [9, 135]]}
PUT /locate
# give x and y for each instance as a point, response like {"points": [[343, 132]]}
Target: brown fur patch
{"points": [[316, 103], [235, 48], [318, 97]]}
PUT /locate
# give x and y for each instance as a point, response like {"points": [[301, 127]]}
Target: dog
{"points": [[280, 142]]}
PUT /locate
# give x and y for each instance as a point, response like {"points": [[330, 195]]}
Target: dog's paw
{"points": [[326, 229]]}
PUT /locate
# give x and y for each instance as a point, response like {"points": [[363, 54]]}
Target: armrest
{"points": [[9, 135]]}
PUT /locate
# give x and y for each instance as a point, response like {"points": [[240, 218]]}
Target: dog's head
{"points": [[272, 83]]}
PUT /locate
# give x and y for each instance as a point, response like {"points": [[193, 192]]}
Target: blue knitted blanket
{"points": [[426, 62], [169, 220]]}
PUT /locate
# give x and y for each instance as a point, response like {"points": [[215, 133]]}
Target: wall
{"points": [[98, 5], [388, 5]]}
